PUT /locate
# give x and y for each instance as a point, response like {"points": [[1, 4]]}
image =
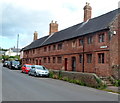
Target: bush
{"points": [[65, 79], [60, 75], [51, 74], [55, 76], [117, 83]]}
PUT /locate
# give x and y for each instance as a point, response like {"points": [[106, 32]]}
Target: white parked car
{"points": [[38, 70]]}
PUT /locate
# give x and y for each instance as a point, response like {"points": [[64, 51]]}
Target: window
{"points": [[101, 58], [33, 51], [45, 49], [54, 47], [49, 48], [81, 58], [27, 52], [54, 59], [101, 38], [81, 42], [59, 46], [89, 58], [48, 59], [74, 44], [89, 40], [44, 60], [59, 59]]}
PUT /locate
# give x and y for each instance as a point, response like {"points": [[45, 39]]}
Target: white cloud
{"points": [[26, 16]]}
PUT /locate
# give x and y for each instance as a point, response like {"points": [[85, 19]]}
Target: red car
{"points": [[26, 68]]}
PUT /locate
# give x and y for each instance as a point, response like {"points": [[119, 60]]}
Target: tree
{"points": [[5, 57]]}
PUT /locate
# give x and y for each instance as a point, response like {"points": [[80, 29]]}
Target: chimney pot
{"points": [[53, 27], [55, 22], [35, 36], [87, 12]]}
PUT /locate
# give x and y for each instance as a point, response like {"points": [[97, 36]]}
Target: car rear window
{"points": [[29, 66]]}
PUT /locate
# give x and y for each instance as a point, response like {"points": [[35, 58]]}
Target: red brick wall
{"points": [[118, 39], [114, 47], [68, 51]]}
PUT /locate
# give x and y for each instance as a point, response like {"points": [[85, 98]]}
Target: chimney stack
{"points": [[87, 12], [35, 36], [53, 27]]}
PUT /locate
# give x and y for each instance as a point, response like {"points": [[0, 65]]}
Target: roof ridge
{"points": [[106, 13]]}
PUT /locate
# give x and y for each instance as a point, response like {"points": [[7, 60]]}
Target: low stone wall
{"points": [[89, 79]]}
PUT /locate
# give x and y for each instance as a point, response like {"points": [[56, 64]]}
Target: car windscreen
{"points": [[41, 68], [16, 62], [6, 61]]}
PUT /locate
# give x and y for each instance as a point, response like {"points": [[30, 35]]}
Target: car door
{"points": [[23, 68], [32, 70]]}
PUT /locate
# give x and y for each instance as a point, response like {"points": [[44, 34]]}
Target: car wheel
{"points": [[21, 71], [35, 74], [29, 73], [10, 67]]}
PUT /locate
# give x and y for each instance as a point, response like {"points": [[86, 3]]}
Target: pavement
{"points": [[113, 88]]}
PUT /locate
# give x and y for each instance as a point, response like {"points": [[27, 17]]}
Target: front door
{"points": [[39, 62], [73, 63], [66, 64], [36, 62]]}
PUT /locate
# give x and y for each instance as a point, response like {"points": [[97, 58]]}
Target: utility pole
{"points": [[17, 43]]}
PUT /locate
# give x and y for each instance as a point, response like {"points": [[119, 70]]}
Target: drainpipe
{"points": [[83, 56]]}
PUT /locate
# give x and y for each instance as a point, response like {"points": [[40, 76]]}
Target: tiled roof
{"points": [[36, 43], [93, 25], [15, 49]]}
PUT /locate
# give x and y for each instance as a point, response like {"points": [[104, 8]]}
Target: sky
{"points": [[23, 17]]}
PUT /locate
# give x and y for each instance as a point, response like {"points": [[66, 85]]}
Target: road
{"points": [[17, 86]]}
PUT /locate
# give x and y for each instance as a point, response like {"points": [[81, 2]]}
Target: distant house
{"points": [[2, 53], [12, 52]]}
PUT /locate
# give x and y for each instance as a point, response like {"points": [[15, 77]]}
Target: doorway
{"points": [[40, 62], [73, 63], [66, 63], [36, 62]]}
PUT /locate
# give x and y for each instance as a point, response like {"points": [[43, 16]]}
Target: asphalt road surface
{"points": [[17, 86]]}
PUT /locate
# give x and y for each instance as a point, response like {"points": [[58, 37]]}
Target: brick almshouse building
{"points": [[91, 46]]}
